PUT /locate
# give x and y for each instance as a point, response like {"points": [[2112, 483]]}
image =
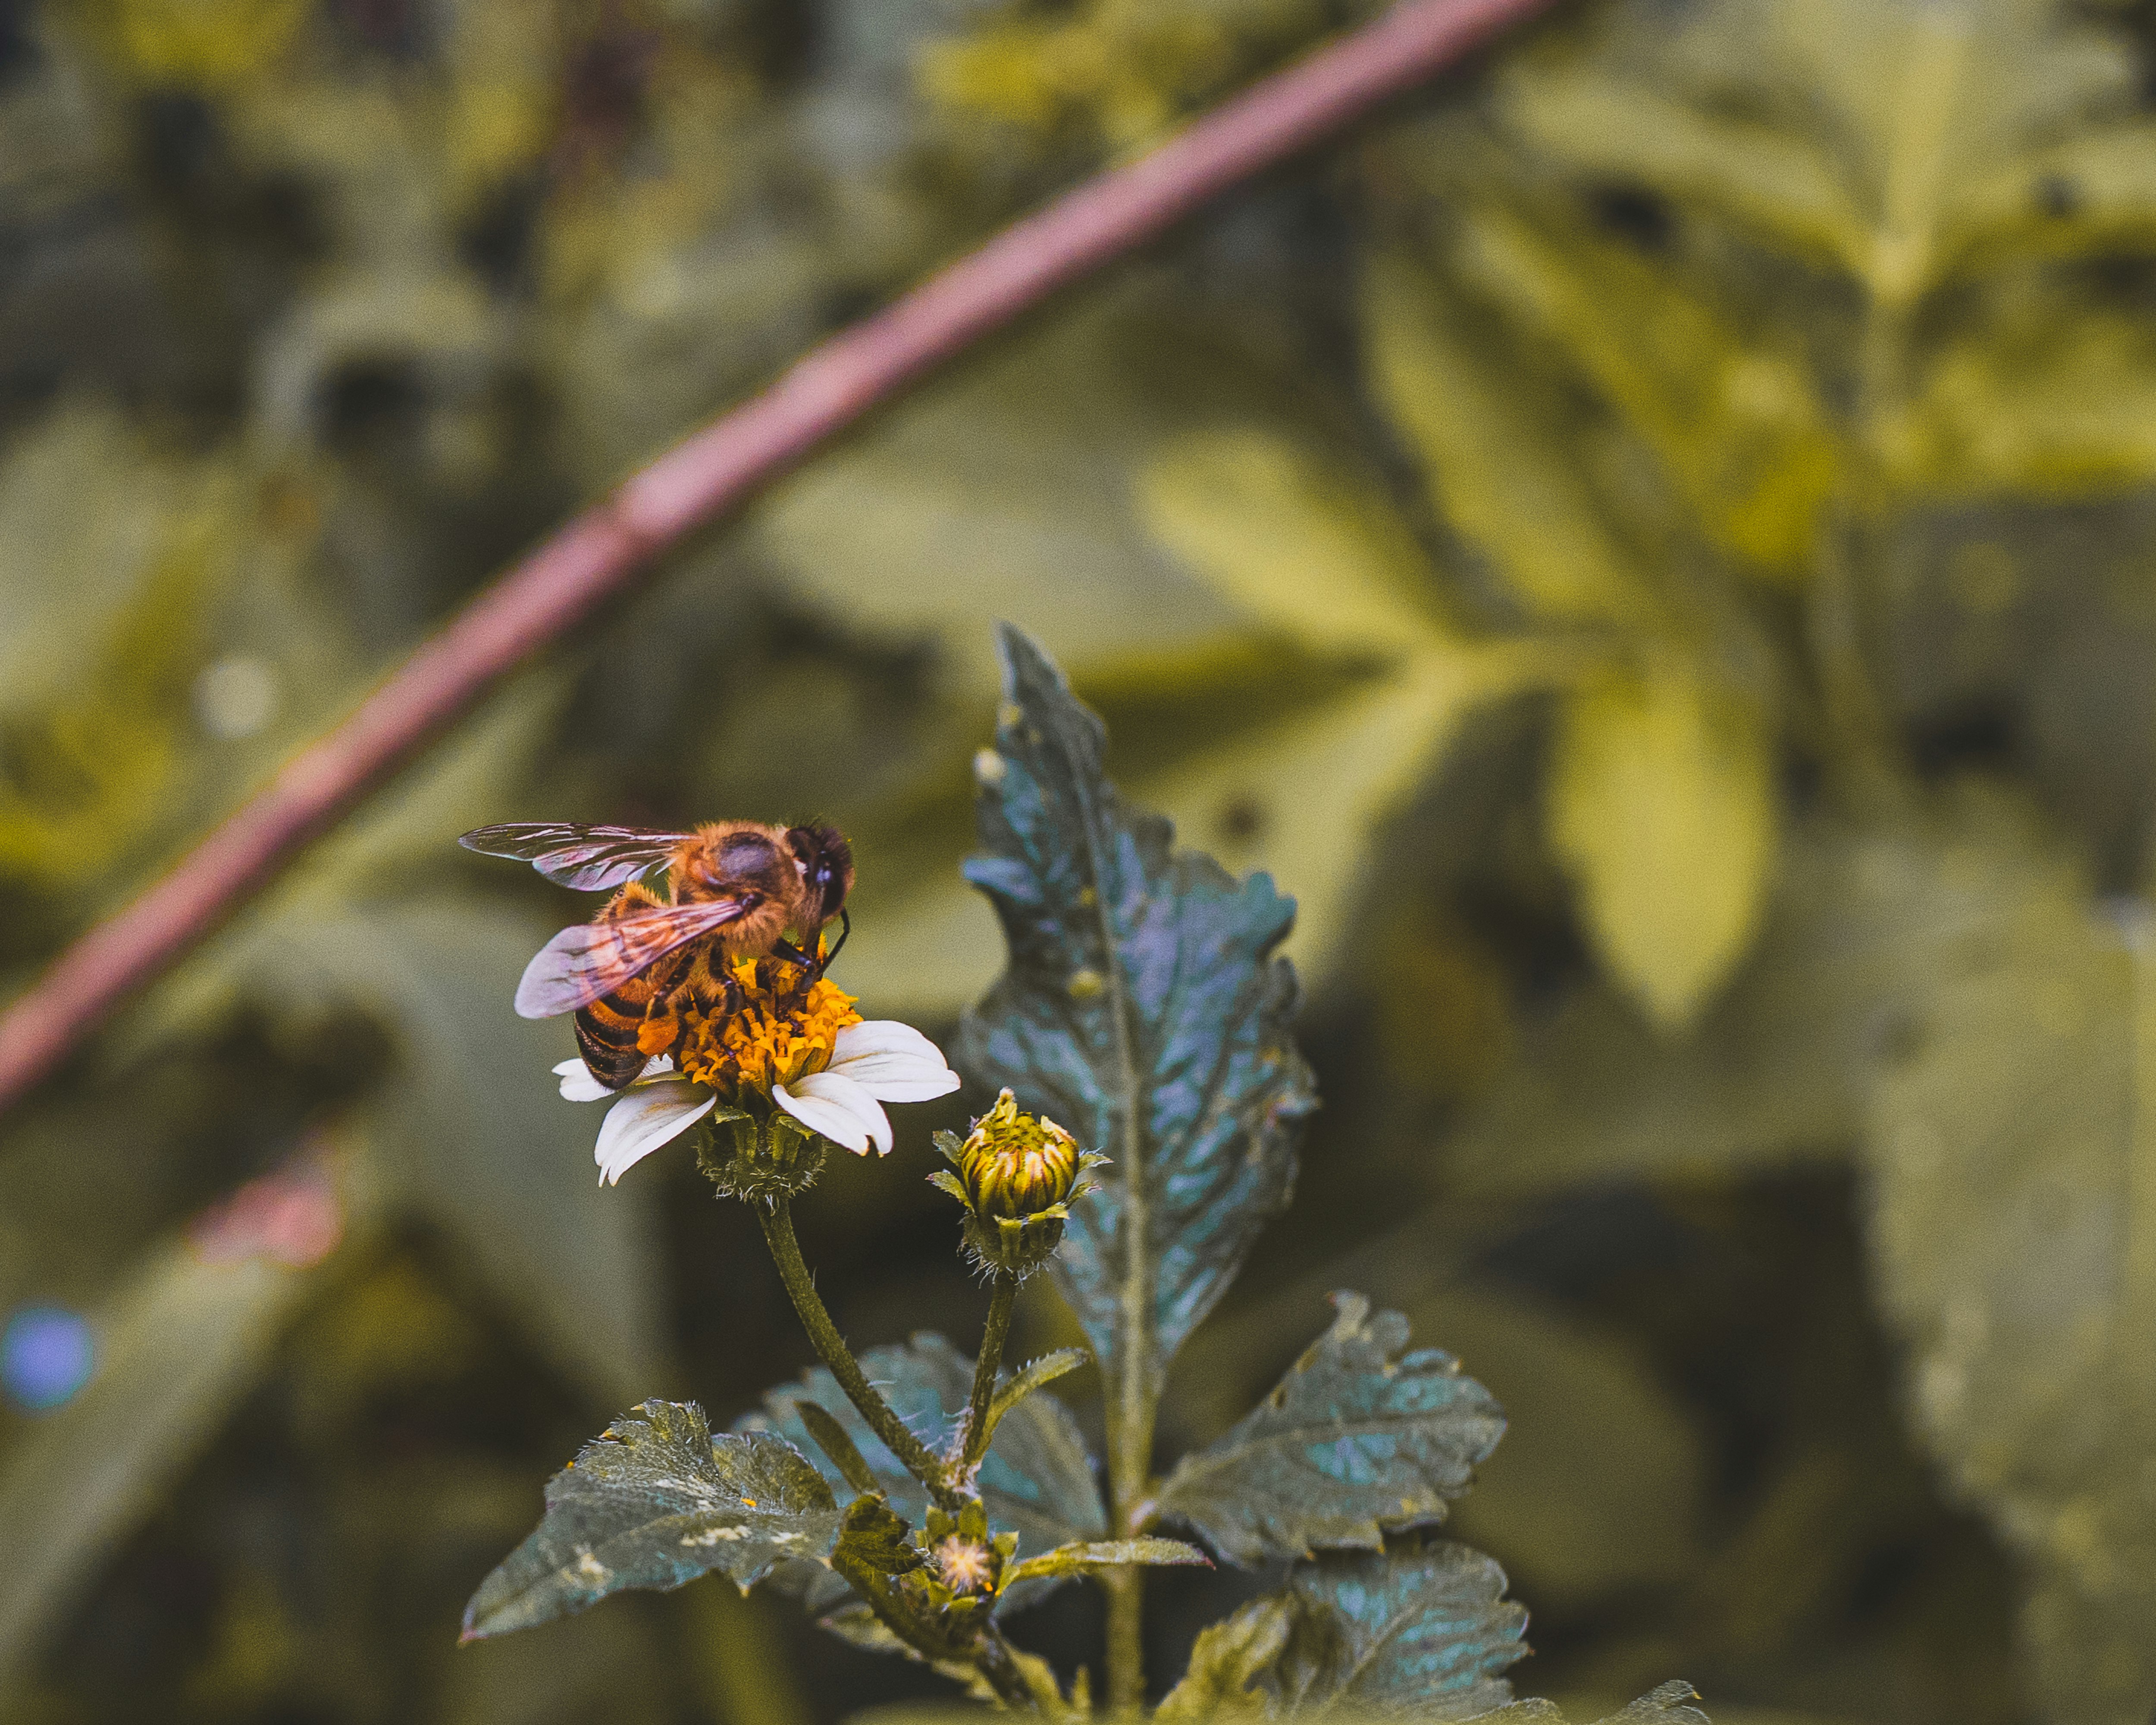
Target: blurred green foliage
{"points": [[1648, 544]]}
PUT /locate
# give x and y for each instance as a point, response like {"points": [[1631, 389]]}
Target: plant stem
{"points": [[1125, 1589], [831, 1348], [974, 1435]]}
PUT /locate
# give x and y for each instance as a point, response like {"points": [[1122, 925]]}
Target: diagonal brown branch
{"points": [[827, 390]]}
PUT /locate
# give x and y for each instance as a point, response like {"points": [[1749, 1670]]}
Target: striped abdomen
{"points": [[608, 1028]]}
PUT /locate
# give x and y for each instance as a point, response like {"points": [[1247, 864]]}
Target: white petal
{"points": [[644, 1118], [834, 1087], [577, 1084], [881, 1036], [840, 1125], [898, 1076]]}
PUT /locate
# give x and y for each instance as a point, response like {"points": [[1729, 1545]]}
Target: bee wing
{"points": [[591, 859], [588, 961]]}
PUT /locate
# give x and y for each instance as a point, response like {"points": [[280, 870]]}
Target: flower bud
{"points": [[1016, 1175], [1014, 1164]]}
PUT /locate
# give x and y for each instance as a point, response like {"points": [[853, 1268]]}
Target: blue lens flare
{"points": [[46, 1355]]}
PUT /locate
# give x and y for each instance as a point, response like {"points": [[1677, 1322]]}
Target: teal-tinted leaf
{"points": [[1143, 1009], [1104, 1554], [656, 1500], [1420, 1630], [1037, 1481], [1361, 1436]]}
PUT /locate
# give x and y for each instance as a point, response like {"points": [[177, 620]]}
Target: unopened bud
{"points": [[1016, 1174], [1015, 1164]]}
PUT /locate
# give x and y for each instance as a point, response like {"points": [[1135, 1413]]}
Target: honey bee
{"points": [[735, 889]]}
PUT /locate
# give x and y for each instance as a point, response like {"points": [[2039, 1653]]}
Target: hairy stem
{"points": [[831, 1348], [974, 1435]]}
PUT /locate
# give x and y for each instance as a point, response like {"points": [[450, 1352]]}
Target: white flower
{"points": [[875, 1062]]}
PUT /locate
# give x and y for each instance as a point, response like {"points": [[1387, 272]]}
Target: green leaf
{"points": [[177, 1344], [1900, 140], [1142, 1010], [1666, 1705], [1037, 1481], [1662, 802], [1491, 440], [2011, 1177], [1033, 1374], [1313, 551], [1362, 1437], [654, 1501], [1104, 1554], [1226, 1662], [1736, 423], [1421, 1630]]}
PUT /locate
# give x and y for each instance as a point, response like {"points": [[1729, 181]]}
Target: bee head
{"points": [[827, 866]]}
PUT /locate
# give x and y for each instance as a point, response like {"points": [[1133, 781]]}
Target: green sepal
{"points": [[759, 1160]]}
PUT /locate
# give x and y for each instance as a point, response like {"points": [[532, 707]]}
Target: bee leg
{"points": [[793, 955]]}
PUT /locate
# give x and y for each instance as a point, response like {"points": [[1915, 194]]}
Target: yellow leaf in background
{"points": [[2057, 399], [1662, 804], [1302, 799], [1494, 452], [1307, 547], [203, 41], [1735, 423]]}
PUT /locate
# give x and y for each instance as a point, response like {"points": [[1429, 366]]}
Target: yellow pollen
{"points": [[774, 1035]]}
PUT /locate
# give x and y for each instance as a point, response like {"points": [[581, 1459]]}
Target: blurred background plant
{"points": [[1650, 544]]}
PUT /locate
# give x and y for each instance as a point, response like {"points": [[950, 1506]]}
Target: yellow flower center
{"points": [[771, 1031]]}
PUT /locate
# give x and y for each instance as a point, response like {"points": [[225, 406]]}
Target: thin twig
{"points": [[823, 393]]}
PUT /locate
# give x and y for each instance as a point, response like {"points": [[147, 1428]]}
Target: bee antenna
{"points": [[845, 928]]}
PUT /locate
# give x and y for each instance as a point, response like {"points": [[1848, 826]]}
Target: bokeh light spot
{"points": [[46, 1355]]}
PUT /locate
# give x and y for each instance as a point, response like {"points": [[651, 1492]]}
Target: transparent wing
{"points": [[591, 859], [590, 960]]}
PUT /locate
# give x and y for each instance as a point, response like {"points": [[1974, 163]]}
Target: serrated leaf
{"points": [[1665, 1705], [1362, 1437], [1033, 1374], [1104, 1554], [654, 1501], [1142, 1010], [1422, 1631], [1037, 1481], [1662, 804], [1226, 1662]]}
